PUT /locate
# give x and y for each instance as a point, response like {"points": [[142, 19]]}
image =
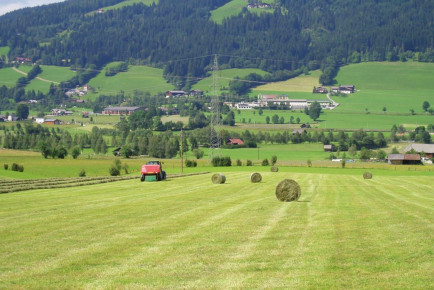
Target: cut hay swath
{"points": [[288, 190], [218, 178], [367, 175], [274, 169], [255, 177]]}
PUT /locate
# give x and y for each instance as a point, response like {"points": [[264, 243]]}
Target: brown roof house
{"points": [[398, 159], [234, 141]]}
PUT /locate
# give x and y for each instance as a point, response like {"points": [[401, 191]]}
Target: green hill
{"points": [[224, 77], [137, 78], [235, 7]]}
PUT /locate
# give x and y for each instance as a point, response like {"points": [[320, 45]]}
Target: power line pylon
{"points": [[216, 121]]}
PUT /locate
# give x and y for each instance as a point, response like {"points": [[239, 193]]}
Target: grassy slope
{"points": [[188, 233], [235, 7], [142, 78], [131, 2], [55, 74], [4, 50], [9, 77], [224, 77]]}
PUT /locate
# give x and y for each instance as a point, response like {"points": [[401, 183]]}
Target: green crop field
{"points": [[224, 77], [137, 78], [345, 232], [235, 7]]}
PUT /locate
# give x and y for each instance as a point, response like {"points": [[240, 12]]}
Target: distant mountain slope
{"points": [[175, 35]]}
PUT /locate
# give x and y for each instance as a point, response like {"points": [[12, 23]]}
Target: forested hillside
{"points": [[305, 34]]}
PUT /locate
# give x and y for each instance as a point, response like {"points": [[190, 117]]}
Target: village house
{"points": [[426, 149], [329, 148], [175, 94], [299, 131], [344, 89], [259, 5], [60, 112], [243, 106], [52, 122], [119, 110], [398, 159], [234, 141], [320, 90]]}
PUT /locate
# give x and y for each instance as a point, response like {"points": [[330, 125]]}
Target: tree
{"points": [[22, 111], [384, 109], [275, 119], [314, 111], [127, 151], [267, 119], [198, 153], [75, 152], [273, 160], [425, 106]]}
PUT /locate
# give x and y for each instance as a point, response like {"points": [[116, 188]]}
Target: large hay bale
{"points": [[367, 175], [255, 177], [218, 178], [288, 190], [274, 169]]}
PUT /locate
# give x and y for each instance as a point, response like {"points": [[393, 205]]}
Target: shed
{"points": [[329, 148], [404, 159]]}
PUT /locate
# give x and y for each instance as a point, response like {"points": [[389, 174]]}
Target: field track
{"points": [[345, 232]]}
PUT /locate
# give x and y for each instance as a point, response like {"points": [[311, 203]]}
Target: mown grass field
{"points": [[345, 232], [4, 50], [9, 77], [129, 3], [137, 78], [235, 7], [397, 86], [223, 79]]}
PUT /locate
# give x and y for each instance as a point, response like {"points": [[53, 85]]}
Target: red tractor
{"points": [[153, 171]]}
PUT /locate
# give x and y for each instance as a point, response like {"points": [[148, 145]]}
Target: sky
{"points": [[10, 5]]}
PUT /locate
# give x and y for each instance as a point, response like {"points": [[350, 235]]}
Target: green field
{"points": [[129, 3], [137, 78], [51, 74], [235, 7], [4, 50], [397, 86], [345, 232], [223, 79], [9, 77]]}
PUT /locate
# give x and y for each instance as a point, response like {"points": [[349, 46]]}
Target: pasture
{"points": [[9, 77], [137, 78], [50, 74], [223, 79], [235, 7], [4, 50], [345, 232]]}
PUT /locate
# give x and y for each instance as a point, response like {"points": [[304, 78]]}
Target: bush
{"points": [[82, 173], [239, 163], [273, 160], [190, 163], [20, 168], [221, 161], [14, 167], [309, 163], [249, 163], [114, 171], [6, 166], [265, 162]]}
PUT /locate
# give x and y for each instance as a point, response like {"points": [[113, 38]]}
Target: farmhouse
{"points": [[234, 141], [196, 93], [119, 110], [60, 112], [344, 89], [320, 90], [175, 94], [329, 148], [52, 122], [428, 149], [403, 159]]}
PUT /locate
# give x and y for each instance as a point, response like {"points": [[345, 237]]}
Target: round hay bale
{"points": [[274, 169], [288, 190], [367, 175], [218, 178], [255, 177]]}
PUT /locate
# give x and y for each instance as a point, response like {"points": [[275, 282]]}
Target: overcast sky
{"points": [[10, 5]]}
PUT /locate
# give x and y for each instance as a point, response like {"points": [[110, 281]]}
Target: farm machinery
{"points": [[152, 170]]}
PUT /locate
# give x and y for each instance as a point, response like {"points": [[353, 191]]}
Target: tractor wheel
{"points": [[142, 178], [163, 175], [158, 176]]}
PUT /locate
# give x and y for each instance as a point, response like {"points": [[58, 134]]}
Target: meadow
{"points": [[51, 74], [223, 79], [137, 78], [235, 7], [4, 50], [344, 232], [9, 77]]}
